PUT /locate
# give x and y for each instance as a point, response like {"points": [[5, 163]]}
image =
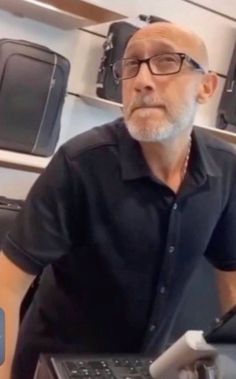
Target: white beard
{"points": [[152, 132]]}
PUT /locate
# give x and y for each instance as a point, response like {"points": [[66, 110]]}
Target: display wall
{"points": [[83, 48]]}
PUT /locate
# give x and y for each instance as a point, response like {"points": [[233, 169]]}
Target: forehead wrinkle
{"points": [[181, 39], [155, 45]]}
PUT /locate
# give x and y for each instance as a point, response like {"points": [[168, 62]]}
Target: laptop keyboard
{"points": [[98, 368]]}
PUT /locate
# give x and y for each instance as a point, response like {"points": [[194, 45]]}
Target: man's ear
{"points": [[207, 87]]}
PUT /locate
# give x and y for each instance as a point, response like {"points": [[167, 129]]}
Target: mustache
{"points": [[145, 102]]}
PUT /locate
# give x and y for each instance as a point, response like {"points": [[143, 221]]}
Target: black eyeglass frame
{"points": [[183, 57]]}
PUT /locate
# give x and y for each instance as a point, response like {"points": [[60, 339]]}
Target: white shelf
{"points": [[21, 161], [36, 164], [223, 134], [95, 101], [105, 104], [64, 14]]}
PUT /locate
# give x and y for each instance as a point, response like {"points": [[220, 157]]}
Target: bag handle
{"points": [[150, 19]]}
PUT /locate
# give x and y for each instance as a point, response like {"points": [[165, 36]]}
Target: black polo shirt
{"points": [[119, 245]]}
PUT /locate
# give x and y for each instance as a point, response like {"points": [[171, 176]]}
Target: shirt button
{"points": [[152, 328], [162, 290], [171, 249], [175, 206]]}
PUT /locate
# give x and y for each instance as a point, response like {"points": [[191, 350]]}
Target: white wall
{"points": [[84, 51]]}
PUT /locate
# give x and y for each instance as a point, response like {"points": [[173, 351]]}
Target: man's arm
{"points": [[14, 283], [226, 281]]}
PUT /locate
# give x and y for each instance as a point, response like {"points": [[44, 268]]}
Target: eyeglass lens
{"points": [[159, 64]]}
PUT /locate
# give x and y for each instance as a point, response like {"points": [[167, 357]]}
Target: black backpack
{"points": [[9, 210], [114, 46], [33, 81], [226, 115]]}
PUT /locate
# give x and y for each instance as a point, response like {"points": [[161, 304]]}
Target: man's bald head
{"points": [[181, 39], [160, 106]]}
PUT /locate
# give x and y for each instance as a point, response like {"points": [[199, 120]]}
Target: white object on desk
{"points": [[184, 352]]}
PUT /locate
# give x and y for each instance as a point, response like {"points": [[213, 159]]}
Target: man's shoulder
{"points": [[96, 138]]}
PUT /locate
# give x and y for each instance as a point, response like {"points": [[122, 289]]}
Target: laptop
{"points": [[193, 347], [68, 366]]}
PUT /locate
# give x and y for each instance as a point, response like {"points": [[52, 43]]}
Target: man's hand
{"points": [[13, 285]]}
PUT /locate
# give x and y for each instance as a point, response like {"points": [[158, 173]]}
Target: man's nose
{"points": [[144, 80]]}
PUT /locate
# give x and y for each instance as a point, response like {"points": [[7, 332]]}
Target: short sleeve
{"points": [[42, 232], [221, 251]]}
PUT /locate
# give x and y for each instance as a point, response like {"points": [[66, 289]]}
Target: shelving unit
{"points": [[64, 14], [99, 102], [223, 134], [107, 104], [68, 14], [31, 163], [25, 162]]}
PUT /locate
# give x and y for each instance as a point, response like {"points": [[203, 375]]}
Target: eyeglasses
{"points": [[161, 64]]}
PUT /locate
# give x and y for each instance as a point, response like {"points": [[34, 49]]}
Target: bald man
{"points": [[122, 214]]}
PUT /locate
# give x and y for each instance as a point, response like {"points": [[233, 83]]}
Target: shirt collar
{"points": [[133, 163], [134, 166], [202, 159]]}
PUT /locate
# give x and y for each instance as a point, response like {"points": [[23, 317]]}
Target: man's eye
{"points": [[166, 59], [130, 63]]}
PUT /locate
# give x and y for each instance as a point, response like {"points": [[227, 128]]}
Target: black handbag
{"points": [[118, 36], [226, 114], [9, 209], [33, 81]]}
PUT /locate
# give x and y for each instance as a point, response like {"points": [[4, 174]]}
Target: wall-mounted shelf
{"points": [[25, 162], [32, 163], [95, 101], [223, 134], [64, 14], [107, 104]]}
